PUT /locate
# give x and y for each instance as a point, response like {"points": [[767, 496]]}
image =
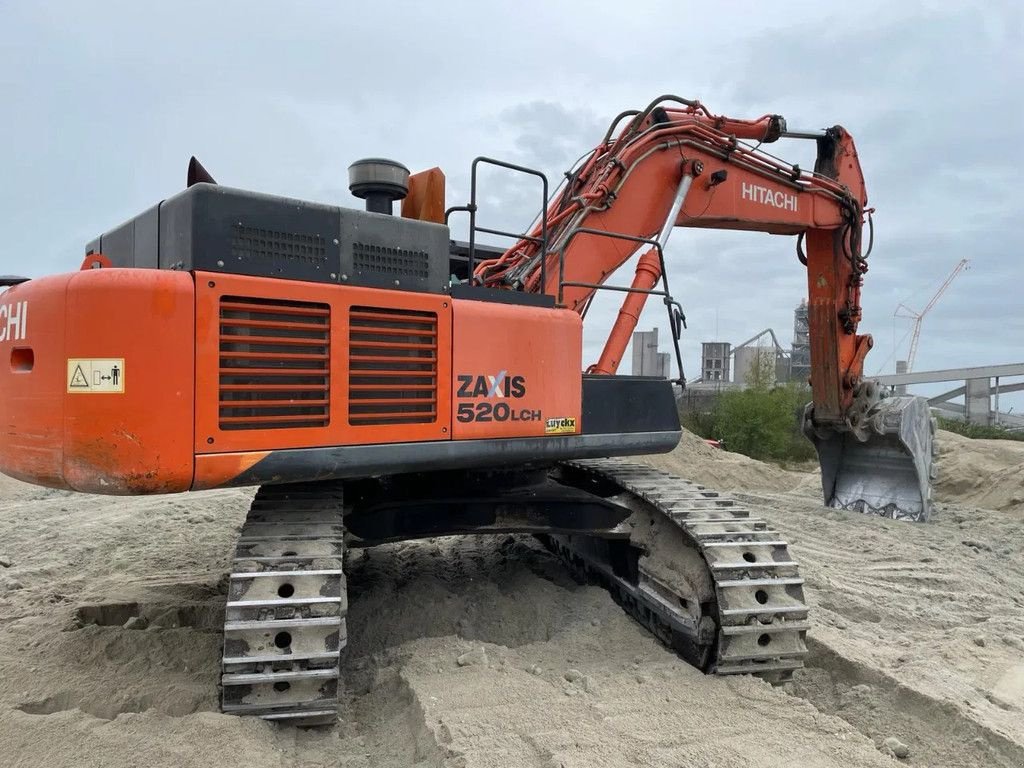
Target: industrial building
{"points": [[755, 362], [761, 357], [800, 354], [715, 361], [647, 360]]}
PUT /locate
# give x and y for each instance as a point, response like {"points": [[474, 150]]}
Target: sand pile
{"points": [[722, 470], [976, 473], [980, 473], [481, 651]]}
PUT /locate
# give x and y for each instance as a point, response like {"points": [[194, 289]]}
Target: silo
{"points": [[745, 363]]}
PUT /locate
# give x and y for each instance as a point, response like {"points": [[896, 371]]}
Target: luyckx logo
{"points": [[499, 385]]}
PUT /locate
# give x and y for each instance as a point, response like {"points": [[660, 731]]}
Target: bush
{"points": [[760, 422], [978, 430]]}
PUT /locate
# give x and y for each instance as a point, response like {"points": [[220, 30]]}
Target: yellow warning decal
{"points": [[92, 376], [560, 426]]}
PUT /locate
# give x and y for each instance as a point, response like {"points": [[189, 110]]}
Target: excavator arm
{"points": [[675, 164]]}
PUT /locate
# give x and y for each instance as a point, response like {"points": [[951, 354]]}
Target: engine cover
{"points": [[212, 228]]}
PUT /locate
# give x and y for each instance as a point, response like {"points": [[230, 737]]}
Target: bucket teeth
{"points": [[884, 468]]}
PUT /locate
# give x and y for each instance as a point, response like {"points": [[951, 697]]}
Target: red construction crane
{"points": [[917, 317]]}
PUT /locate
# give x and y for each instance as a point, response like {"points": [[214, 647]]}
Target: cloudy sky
{"points": [[104, 103]]}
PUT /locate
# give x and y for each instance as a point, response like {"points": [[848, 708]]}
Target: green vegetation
{"points": [[978, 430], [762, 421]]}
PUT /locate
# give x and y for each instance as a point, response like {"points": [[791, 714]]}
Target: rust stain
{"points": [[107, 467]]}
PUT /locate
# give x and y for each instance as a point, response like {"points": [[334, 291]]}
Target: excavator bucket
{"points": [[881, 462]]}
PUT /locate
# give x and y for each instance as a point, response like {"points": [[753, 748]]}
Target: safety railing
{"points": [[676, 317], [471, 209]]}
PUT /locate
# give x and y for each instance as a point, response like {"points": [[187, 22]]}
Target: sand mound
{"points": [[481, 651], [722, 470], [464, 652], [971, 472], [981, 473]]}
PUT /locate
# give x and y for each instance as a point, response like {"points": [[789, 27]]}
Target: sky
{"points": [[104, 104]]}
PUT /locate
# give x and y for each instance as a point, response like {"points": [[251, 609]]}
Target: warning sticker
{"points": [[560, 426], [104, 376]]}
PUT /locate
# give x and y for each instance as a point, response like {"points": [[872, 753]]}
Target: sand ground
{"points": [[918, 634]]}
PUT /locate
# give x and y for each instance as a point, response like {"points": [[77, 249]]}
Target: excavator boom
{"points": [[675, 164]]}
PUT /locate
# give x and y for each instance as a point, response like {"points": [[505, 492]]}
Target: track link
{"points": [[758, 622], [284, 624]]}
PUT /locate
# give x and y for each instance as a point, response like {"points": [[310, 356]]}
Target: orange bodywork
{"points": [[211, 289], [426, 198], [514, 368], [214, 470], [180, 341], [135, 441]]}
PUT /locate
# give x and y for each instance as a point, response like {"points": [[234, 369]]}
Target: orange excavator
{"points": [[381, 382]]}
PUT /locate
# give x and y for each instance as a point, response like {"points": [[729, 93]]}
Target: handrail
{"points": [[471, 209], [666, 294]]}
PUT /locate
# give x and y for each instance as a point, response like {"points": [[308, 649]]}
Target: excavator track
{"points": [[756, 622], [284, 623], [736, 608]]}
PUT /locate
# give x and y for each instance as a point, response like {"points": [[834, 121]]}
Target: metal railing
{"points": [[471, 209], [676, 317]]}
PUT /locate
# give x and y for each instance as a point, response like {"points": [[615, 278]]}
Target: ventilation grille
{"points": [[392, 366], [258, 243], [274, 363], [386, 260]]}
